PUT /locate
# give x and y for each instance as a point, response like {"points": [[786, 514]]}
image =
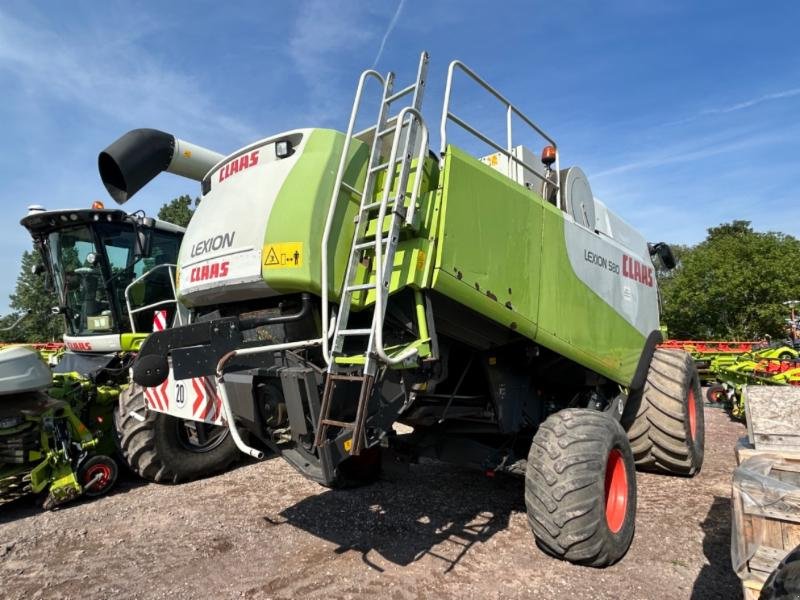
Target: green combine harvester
{"points": [[339, 283]]}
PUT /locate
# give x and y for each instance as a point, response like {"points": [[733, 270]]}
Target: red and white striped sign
{"points": [[159, 320], [196, 399], [158, 397]]}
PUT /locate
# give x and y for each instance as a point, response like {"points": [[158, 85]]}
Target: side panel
{"points": [[587, 309], [506, 253], [489, 243]]}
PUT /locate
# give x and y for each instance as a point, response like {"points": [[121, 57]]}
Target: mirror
{"points": [[664, 253], [143, 241]]}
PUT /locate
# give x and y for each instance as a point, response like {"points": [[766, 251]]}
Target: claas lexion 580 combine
{"points": [[340, 283]]}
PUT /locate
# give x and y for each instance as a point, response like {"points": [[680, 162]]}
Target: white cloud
{"points": [[388, 32], [110, 75]]}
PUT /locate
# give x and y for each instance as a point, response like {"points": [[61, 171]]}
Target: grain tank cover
{"points": [[21, 370]]}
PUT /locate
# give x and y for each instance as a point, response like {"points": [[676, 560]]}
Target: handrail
{"points": [[334, 203], [171, 268], [382, 286], [510, 111]]}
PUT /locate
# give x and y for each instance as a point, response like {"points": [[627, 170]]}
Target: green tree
{"points": [[179, 210], [31, 296], [732, 285]]}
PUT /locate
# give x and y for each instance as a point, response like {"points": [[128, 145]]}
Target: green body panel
{"points": [[574, 320], [413, 257], [301, 208], [501, 251], [131, 342]]}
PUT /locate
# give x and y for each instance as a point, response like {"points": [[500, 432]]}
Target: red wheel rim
{"points": [[616, 491], [690, 406], [99, 469]]}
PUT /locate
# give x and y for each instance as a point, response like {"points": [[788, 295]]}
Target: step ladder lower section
{"points": [[358, 439]]}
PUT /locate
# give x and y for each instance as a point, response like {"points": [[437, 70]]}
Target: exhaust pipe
{"points": [[131, 162]]}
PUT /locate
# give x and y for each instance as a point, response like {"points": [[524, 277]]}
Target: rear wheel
{"points": [[165, 449], [665, 423], [580, 488]]}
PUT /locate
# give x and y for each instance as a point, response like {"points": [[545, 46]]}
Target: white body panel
{"points": [[220, 257], [94, 343], [622, 276]]}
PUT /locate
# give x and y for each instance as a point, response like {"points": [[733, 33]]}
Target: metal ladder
{"points": [[405, 126]]}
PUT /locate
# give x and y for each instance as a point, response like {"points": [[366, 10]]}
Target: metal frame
{"points": [[223, 394], [511, 110], [382, 286], [337, 189], [171, 268]]}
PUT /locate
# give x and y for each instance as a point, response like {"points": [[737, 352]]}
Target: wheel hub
{"points": [[616, 491]]}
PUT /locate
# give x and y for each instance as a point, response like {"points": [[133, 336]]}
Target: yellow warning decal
{"points": [[348, 444], [282, 255]]}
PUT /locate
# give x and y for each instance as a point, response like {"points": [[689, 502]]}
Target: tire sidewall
{"points": [[184, 463], [696, 443]]}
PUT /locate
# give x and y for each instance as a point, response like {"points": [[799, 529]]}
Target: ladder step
{"points": [[384, 166], [400, 94], [369, 244], [374, 205], [343, 424], [351, 189], [359, 287], [355, 331], [338, 377]]}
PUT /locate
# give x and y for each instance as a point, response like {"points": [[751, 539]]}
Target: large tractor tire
{"points": [[580, 488], [165, 449], [665, 421]]}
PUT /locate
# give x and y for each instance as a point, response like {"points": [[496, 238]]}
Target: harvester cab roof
{"points": [[107, 268]]}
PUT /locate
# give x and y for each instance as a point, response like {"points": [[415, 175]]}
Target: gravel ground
{"points": [[263, 531]]}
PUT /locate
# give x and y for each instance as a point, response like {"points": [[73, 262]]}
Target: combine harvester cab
{"points": [[113, 274], [343, 282]]}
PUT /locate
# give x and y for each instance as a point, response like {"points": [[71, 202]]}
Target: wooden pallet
{"points": [[766, 513], [751, 588], [773, 417]]}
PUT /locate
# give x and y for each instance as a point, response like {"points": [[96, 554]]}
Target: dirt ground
{"points": [[263, 531]]}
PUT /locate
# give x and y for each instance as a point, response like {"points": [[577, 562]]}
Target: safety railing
{"points": [[337, 189], [383, 278], [171, 269], [511, 110]]}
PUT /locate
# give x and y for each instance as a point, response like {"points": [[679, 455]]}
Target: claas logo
{"points": [[216, 270], [237, 165]]}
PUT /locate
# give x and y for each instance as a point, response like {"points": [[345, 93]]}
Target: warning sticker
{"points": [[283, 255]]}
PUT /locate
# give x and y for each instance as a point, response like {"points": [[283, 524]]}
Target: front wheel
{"points": [[580, 488], [165, 449], [97, 475]]}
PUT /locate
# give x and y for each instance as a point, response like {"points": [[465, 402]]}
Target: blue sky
{"points": [[683, 114]]}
